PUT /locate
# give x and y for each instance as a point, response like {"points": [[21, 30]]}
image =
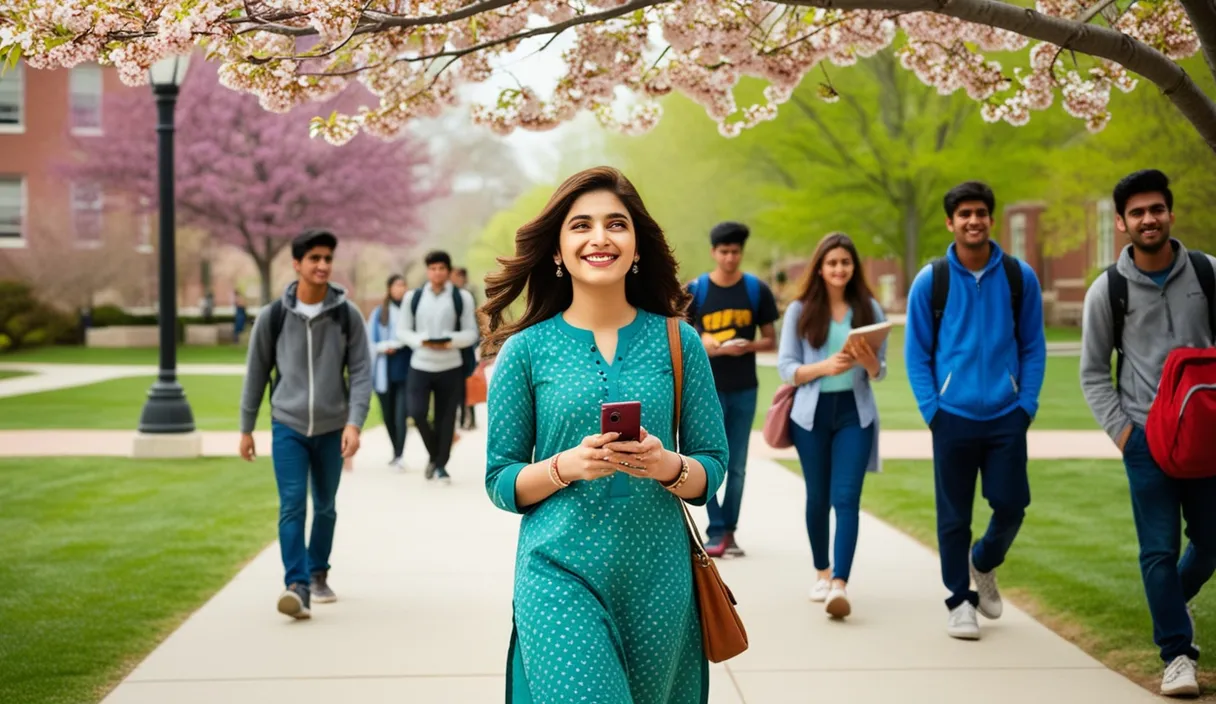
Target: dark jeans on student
{"points": [[834, 455], [739, 412], [394, 409], [298, 461], [447, 389], [996, 451], [1157, 501]]}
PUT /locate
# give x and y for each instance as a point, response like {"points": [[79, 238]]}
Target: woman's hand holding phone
{"points": [[589, 461], [645, 458]]}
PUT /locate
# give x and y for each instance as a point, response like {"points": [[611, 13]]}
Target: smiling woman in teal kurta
{"points": [[604, 608]]}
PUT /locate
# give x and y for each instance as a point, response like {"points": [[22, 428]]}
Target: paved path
{"points": [[48, 377], [424, 575]]}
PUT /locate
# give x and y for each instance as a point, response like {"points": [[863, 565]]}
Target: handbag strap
{"points": [[677, 374]]}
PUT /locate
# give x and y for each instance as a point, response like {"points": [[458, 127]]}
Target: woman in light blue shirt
{"points": [[834, 420]]}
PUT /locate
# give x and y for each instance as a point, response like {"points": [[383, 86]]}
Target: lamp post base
{"points": [[168, 446], [166, 411]]}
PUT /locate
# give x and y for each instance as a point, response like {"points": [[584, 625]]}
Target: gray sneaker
{"points": [[320, 589], [293, 602], [441, 474], [990, 597]]}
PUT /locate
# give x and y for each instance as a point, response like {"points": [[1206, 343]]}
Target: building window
{"points": [[886, 290], [86, 213], [1017, 235], [1104, 252], [86, 98], [144, 243], [12, 99], [12, 211]]}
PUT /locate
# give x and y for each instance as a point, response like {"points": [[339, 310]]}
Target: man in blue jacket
{"points": [[976, 353]]}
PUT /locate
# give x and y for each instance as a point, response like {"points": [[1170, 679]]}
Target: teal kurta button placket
{"points": [[609, 376]]}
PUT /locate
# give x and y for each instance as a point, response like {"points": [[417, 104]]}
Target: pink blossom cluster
{"points": [[295, 52]]}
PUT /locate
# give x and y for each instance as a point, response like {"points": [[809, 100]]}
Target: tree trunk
{"points": [[264, 271], [911, 225]]}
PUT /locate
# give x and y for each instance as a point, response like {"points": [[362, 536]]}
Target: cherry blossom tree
{"points": [[413, 55], [255, 179]]}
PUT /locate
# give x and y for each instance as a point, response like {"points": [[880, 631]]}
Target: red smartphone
{"points": [[624, 417]]}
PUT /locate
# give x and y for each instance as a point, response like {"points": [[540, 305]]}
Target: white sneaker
{"points": [[819, 592], [990, 597], [963, 623], [838, 603], [1179, 679]]}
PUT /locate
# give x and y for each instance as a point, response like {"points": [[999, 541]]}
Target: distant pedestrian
{"points": [[468, 416], [731, 309], [438, 324], [390, 365], [312, 339]]}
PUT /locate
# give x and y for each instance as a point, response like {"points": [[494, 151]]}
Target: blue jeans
{"points": [[297, 459], [1157, 501], [739, 412], [996, 451], [834, 455]]}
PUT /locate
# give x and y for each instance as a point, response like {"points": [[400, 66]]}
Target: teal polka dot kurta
{"points": [[604, 605]]}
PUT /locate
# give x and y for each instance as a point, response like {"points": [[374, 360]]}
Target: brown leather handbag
{"points": [[722, 632]]}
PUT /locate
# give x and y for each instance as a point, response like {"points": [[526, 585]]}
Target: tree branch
{"points": [[554, 29], [1202, 14], [1101, 42]]}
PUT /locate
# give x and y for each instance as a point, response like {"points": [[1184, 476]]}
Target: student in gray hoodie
{"points": [[1166, 308], [309, 337]]}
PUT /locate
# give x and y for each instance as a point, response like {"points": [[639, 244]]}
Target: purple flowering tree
{"points": [[254, 178]]}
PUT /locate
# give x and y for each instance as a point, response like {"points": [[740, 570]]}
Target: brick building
{"points": [[72, 238]]}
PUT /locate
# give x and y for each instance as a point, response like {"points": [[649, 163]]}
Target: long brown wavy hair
{"points": [[816, 308], [656, 288]]}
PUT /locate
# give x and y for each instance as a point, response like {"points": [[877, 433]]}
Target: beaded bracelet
{"points": [[681, 478], [553, 474]]}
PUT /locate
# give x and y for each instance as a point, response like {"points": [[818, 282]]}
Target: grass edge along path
{"points": [[1074, 566], [151, 540]]}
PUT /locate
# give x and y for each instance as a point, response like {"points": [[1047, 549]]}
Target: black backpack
{"points": [[278, 314], [468, 356], [941, 291], [1117, 285]]}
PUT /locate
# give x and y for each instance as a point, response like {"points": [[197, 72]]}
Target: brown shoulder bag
{"points": [[722, 631]]}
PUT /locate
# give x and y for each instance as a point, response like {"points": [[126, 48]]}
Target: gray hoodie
{"points": [[311, 396], [1158, 321]]}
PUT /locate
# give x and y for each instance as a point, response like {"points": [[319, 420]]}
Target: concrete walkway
{"points": [[424, 576], [48, 377]]}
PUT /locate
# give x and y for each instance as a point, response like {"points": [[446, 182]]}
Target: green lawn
{"points": [[8, 374], [102, 559], [1074, 565], [1061, 405], [222, 354], [116, 405]]}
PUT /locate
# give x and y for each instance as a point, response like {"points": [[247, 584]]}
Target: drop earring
{"points": [[559, 270], [635, 266]]}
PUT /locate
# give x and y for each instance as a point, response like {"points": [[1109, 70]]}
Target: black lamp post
{"points": [[167, 410]]}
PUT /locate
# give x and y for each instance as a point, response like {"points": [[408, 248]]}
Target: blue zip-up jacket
{"points": [[978, 371]]}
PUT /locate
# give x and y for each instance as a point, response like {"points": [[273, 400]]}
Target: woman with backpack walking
{"points": [[834, 419]]}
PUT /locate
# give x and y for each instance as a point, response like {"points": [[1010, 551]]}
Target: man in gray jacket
{"points": [[310, 337], [1156, 298]]}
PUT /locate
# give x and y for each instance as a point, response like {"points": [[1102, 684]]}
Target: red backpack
{"points": [[1184, 408]]}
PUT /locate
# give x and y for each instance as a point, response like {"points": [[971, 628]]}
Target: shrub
{"points": [[27, 322]]}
